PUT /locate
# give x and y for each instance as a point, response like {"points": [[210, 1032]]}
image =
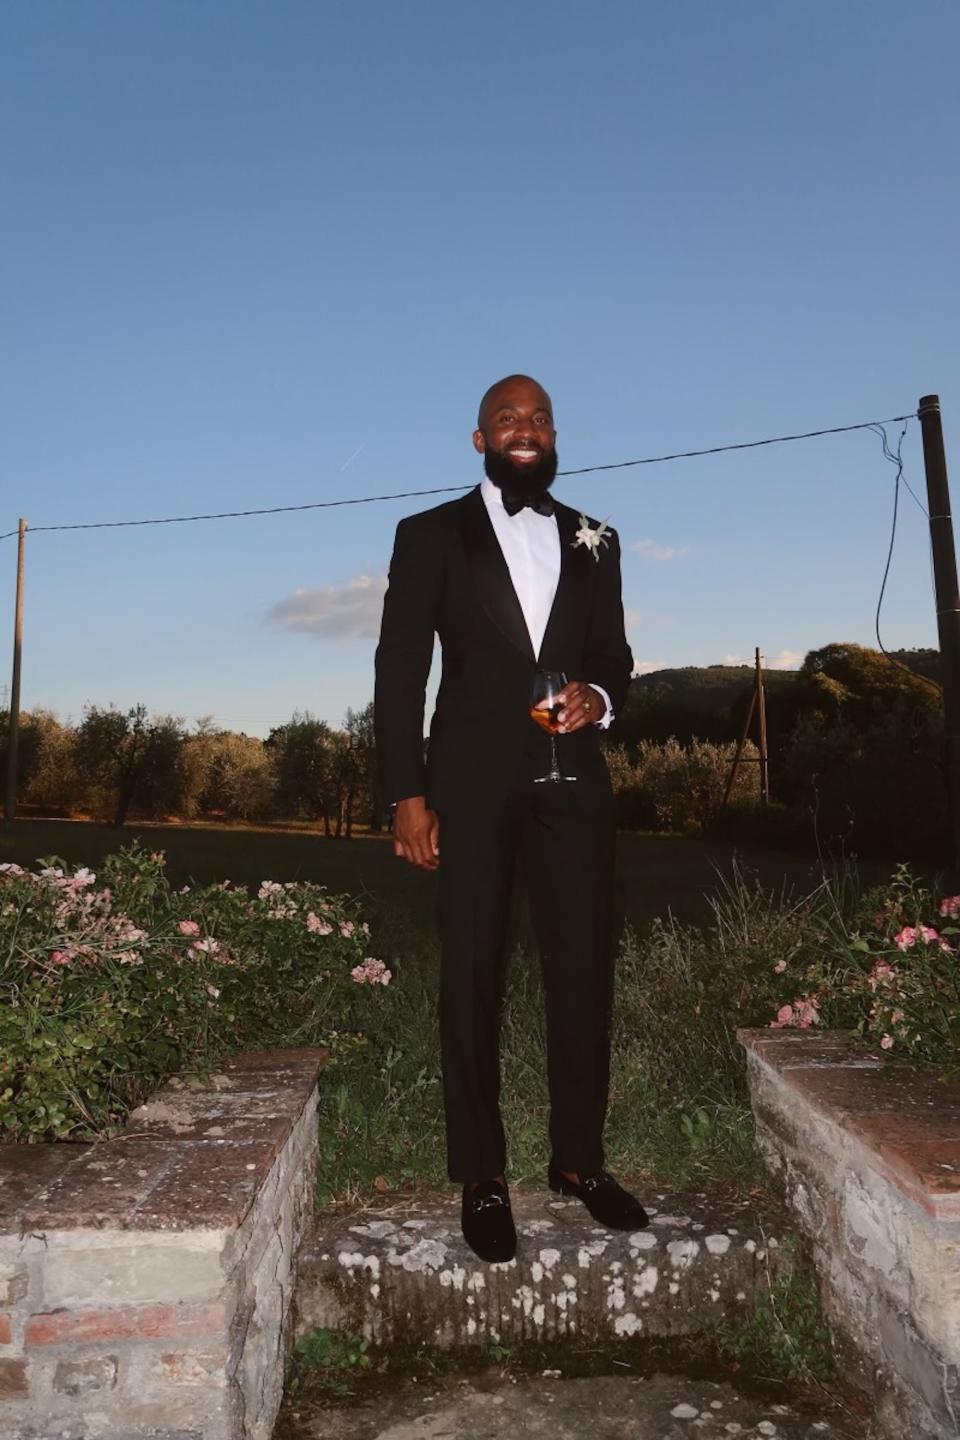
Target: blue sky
{"points": [[261, 255]]}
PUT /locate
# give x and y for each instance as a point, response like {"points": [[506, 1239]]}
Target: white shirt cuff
{"points": [[607, 718]]}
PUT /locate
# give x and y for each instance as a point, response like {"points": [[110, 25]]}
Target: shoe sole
{"points": [[491, 1259]]}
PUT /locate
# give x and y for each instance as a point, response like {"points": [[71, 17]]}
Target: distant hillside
{"points": [[921, 662], [710, 701]]}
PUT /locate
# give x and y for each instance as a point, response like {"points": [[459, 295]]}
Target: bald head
{"points": [[508, 390]]}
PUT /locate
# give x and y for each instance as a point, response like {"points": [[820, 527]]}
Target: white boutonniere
{"points": [[591, 538]]}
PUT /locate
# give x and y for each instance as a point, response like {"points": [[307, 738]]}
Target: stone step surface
{"points": [[404, 1274], [659, 1407]]}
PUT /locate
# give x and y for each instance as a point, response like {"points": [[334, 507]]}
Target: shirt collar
{"points": [[491, 493]]}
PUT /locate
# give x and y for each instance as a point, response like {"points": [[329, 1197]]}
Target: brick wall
{"points": [[146, 1281], [868, 1154]]}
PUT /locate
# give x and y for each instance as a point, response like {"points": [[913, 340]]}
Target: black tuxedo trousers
{"points": [[448, 578], [558, 837]]}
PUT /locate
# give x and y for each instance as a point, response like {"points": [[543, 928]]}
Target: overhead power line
{"points": [[895, 457], [450, 489]]}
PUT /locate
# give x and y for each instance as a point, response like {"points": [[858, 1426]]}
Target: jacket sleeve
{"points": [[608, 659], [410, 611]]}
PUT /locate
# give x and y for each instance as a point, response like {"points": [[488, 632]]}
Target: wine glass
{"points": [[545, 709]]}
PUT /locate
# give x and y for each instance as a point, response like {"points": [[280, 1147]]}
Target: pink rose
{"points": [[950, 907], [371, 972], [906, 938], [780, 966], [207, 946], [807, 1013], [882, 971], [188, 927]]}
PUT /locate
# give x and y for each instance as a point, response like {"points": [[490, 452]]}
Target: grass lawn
{"points": [[655, 873]]}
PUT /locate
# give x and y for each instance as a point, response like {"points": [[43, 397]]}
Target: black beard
{"points": [[522, 481]]}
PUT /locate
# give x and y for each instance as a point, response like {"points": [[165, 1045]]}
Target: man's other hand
{"points": [[416, 833], [581, 706]]}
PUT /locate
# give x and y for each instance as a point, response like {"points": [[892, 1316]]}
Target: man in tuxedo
{"points": [[506, 579]]}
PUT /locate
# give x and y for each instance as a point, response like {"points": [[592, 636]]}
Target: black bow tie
{"points": [[543, 504]]}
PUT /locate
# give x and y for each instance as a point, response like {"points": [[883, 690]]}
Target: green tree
{"points": [[55, 784], [241, 782], [678, 787], [303, 756], [46, 769], [360, 727], [866, 755], [128, 758], [861, 684]]}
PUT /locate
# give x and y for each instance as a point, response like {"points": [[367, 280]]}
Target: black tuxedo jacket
{"points": [[448, 577]]}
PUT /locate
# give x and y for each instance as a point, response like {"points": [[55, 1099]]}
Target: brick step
{"points": [[405, 1275]]}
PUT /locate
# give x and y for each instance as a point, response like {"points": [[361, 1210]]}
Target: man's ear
{"points": [[479, 442]]}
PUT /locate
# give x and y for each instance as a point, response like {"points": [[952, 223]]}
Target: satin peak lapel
{"points": [[569, 603], [492, 575]]}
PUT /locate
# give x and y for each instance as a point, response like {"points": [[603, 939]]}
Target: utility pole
{"points": [[948, 597], [10, 808]]}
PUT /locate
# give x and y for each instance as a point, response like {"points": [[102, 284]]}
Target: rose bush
{"points": [[110, 982], [895, 979], [910, 972]]}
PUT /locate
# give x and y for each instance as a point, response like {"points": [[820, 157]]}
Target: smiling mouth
{"points": [[524, 452]]}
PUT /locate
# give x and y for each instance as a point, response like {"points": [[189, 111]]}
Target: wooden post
{"points": [[739, 751], [762, 725], [10, 807], [948, 598]]}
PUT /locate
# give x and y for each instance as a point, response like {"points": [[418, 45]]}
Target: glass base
{"points": [[552, 779]]}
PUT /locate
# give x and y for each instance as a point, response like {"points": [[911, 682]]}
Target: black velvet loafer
{"points": [[487, 1221], [608, 1202]]}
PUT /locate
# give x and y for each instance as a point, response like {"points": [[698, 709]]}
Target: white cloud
{"points": [[785, 660], [653, 551], [644, 667], [341, 612]]}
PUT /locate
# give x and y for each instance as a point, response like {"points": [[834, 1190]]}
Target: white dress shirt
{"points": [[531, 548]]}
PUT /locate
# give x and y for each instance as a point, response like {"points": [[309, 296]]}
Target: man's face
{"points": [[517, 439]]}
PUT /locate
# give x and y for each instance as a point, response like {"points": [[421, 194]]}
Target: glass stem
{"points": [[554, 767]]}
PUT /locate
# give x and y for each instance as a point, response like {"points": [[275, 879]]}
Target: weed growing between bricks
{"points": [[328, 1358], [786, 1336]]}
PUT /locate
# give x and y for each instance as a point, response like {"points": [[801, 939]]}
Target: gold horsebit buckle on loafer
{"points": [[593, 1182]]}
